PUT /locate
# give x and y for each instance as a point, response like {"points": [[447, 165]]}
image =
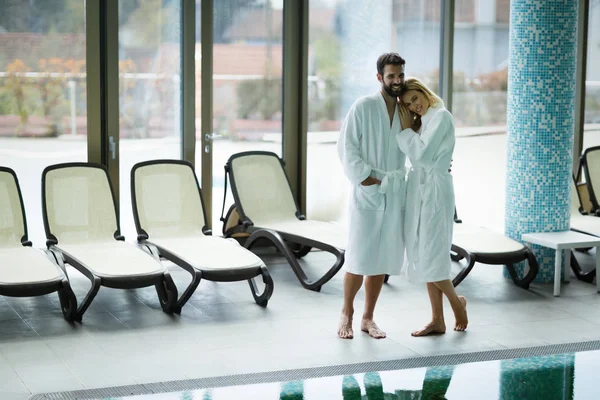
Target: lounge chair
{"points": [[82, 228], [25, 271], [584, 223], [590, 164], [170, 219], [267, 210], [477, 244]]}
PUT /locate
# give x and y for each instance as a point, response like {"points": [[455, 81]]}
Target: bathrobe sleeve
{"points": [[424, 146], [349, 146]]}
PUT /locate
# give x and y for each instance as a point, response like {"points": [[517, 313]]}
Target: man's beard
{"points": [[391, 91]]}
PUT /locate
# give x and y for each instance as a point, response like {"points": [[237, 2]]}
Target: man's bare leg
{"points": [[352, 284], [458, 304], [437, 324], [373, 285]]}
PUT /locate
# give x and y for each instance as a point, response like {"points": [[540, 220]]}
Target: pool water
{"points": [[562, 376]]}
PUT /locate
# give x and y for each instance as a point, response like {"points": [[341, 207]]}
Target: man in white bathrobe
{"points": [[374, 166]]}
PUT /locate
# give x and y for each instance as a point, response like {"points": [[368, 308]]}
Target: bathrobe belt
{"points": [[396, 177]]}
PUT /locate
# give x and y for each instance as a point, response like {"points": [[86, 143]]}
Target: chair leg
{"points": [[587, 277], [455, 257], [68, 301], [386, 279], [167, 294], [188, 292], [262, 299], [531, 274], [96, 283], [279, 243], [470, 262]]}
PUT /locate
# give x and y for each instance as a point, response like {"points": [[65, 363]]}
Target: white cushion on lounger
{"points": [[263, 189], [209, 253], [586, 223], [26, 265], [483, 241], [170, 211], [267, 199], [79, 205], [11, 213], [112, 258], [320, 231], [589, 224], [592, 162]]}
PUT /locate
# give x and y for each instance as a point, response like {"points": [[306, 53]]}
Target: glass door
{"points": [[150, 35], [246, 92], [43, 106]]}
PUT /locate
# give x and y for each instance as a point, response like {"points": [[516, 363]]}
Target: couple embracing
{"points": [[394, 213]]}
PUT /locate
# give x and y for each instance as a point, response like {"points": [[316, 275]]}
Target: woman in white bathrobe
{"points": [[430, 200]]}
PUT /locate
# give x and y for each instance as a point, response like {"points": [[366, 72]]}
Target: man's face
{"points": [[392, 79]]}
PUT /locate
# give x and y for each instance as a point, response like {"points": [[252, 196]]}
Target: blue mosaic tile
{"points": [[540, 121]]}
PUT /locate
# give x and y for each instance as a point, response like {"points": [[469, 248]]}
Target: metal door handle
{"points": [[210, 137], [112, 147]]}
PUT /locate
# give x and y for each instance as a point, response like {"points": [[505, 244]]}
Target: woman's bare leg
{"points": [[437, 324], [458, 304]]}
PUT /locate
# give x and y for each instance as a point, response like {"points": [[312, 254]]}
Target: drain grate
{"points": [[318, 372]]}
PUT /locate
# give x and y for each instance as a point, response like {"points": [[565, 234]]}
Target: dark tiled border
{"points": [[317, 372]]}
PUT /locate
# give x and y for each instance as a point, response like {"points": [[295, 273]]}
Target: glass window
{"points": [[345, 39], [480, 81], [592, 84], [42, 94], [247, 86], [149, 90]]}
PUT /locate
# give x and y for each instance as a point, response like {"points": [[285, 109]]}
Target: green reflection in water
{"points": [[351, 388], [435, 385], [547, 377], [292, 390]]}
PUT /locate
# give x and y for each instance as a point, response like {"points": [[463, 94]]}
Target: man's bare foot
{"points": [[369, 326], [461, 316], [432, 328], [345, 328]]}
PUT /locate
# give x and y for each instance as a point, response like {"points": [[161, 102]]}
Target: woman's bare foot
{"points": [[345, 327], [461, 316], [432, 328], [369, 326]]}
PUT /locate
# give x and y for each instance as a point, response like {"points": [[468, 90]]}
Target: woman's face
{"points": [[416, 102]]}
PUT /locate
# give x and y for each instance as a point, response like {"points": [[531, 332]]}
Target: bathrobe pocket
{"points": [[368, 197]]}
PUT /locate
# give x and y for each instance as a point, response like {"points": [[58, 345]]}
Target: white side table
{"points": [[566, 241]]}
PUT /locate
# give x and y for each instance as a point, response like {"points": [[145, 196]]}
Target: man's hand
{"points": [[370, 181]]}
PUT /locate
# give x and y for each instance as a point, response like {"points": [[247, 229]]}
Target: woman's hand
{"points": [[406, 118]]}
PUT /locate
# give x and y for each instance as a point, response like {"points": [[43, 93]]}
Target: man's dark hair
{"points": [[388, 59]]}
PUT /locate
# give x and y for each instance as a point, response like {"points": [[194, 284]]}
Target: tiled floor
{"points": [[126, 339]]}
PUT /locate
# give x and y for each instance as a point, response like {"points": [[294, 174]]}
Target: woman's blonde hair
{"points": [[415, 84]]}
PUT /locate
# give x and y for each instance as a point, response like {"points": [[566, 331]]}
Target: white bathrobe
{"points": [[429, 196], [367, 147]]}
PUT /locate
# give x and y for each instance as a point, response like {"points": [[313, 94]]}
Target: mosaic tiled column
{"points": [[540, 120]]}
